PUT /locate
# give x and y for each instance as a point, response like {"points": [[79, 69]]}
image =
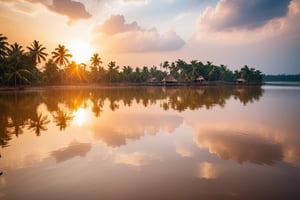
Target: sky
{"points": [[264, 34]]}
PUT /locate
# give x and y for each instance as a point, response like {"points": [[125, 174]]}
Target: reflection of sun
{"points": [[81, 51], [81, 116]]}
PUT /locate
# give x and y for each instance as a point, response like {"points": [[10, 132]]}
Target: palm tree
{"points": [[38, 123], [15, 49], [18, 74], [37, 51], [126, 73], [17, 64], [95, 60], [60, 55], [3, 47], [112, 71]]}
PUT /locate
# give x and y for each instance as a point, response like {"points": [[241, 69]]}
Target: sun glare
{"points": [[80, 50], [81, 116]]}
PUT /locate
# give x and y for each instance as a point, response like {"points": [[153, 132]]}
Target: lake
{"points": [[151, 143]]}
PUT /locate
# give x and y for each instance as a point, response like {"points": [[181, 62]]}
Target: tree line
{"points": [[282, 77], [18, 66]]}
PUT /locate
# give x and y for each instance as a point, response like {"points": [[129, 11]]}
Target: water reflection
{"points": [[133, 127], [74, 149], [20, 110], [241, 148], [150, 143]]}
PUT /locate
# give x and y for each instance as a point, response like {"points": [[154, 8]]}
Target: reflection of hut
{"points": [[240, 80], [169, 79], [152, 80], [200, 79], [200, 91]]}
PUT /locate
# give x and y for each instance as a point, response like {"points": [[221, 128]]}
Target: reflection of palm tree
{"points": [[62, 119], [37, 51], [97, 106], [16, 126], [4, 133], [38, 123]]}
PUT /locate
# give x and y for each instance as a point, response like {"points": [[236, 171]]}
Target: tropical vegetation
{"points": [[33, 65]]}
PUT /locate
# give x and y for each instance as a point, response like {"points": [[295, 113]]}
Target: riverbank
{"points": [[123, 85]]}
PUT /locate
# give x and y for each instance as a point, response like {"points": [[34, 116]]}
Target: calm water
{"points": [[151, 143]]}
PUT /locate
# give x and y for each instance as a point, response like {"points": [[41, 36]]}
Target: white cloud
{"points": [[115, 35]]}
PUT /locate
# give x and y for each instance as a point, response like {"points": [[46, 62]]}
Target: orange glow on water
{"points": [[81, 116]]}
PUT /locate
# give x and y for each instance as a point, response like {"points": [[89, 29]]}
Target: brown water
{"points": [[151, 143]]}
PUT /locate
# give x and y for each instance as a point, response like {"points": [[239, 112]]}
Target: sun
{"points": [[81, 51]]}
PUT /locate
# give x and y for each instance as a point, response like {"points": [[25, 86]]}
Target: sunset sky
{"points": [[264, 34]]}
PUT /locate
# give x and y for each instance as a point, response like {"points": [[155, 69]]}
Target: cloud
{"points": [[74, 149], [116, 24], [265, 42], [72, 9], [232, 14], [115, 35]]}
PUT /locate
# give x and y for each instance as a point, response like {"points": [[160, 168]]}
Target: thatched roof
{"points": [[240, 80], [200, 78], [169, 78], [152, 79]]}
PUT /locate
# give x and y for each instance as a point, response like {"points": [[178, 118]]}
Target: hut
{"points": [[152, 80], [169, 79], [200, 79], [240, 80]]}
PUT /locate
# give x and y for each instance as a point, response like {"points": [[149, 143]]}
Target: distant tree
{"points": [[51, 72], [61, 56], [3, 47], [17, 65], [127, 73], [15, 50], [165, 65], [37, 51], [95, 67], [95, 60], [112, 72]]}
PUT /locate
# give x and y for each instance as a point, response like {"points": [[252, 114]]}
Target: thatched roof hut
{"points": [[240, 80], [169, 79], [200, 79], [152, 80]]}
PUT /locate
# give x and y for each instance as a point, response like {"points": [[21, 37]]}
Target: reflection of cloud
{"points": [[115, 133], [184, 151], [136, 158], [208, 170], [74, 149], [117, 36], [241, 148]]}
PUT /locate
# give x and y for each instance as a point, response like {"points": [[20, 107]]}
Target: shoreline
{"points": [[124, 85]]}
